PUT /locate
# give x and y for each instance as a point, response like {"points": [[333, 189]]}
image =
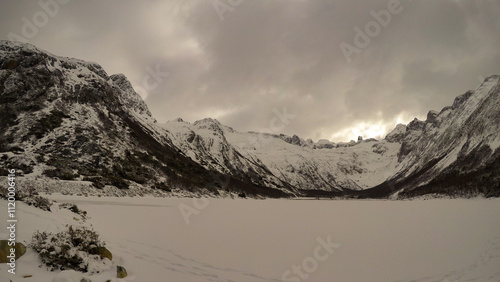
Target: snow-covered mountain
{"points": [[68, 119], [278, 161], [454, 151]]}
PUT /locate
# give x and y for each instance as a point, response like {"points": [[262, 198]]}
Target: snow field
{"points": [[260, 240]]}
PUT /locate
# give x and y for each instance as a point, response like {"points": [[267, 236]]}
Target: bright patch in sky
{"points": [[372, 129], [364, 129]]}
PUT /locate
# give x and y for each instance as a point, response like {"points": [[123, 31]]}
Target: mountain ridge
{"points": [[67, 119]]}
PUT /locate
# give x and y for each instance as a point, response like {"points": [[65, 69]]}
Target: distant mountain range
{"points": [[68, 119]]}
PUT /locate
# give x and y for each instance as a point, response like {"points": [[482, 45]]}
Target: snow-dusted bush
{"points": [[37, 201], [74, 248], [29, 196], [74, 208]]}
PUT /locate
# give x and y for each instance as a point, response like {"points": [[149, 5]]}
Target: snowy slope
{"points": [[457, 148], [275, 161], [67, 119], [68, 115], [472, 119]]}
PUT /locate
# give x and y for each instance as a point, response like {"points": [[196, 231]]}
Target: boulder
{"points": [[5, 250], [121, 272], [103, 252]]}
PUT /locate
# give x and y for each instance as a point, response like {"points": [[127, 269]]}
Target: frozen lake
{"points": [[172, 239]]}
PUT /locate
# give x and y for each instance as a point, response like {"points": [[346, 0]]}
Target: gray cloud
{"points": [[266, 55]]}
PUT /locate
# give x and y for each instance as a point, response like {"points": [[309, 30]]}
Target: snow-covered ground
{"points": [[268, 240]]}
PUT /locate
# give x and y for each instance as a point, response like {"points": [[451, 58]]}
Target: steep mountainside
{"points": [[66, 118], [453, 152]]}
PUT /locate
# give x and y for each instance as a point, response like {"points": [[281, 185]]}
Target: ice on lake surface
{"points": [[172, 239]]}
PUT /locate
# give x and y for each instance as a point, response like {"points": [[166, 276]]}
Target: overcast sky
{"points": [[336, 70]]}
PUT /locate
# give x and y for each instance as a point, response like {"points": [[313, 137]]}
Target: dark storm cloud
{"points": [[248, 59]]}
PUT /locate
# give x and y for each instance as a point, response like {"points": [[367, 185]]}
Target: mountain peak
{"points": [[178, 120], [13, 46], [397, 134], [207, 121], [130, 97], [491, 77]]}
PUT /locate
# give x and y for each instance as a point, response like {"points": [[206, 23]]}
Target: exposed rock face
{"points": [[294, 140], [397, 134], [129, 97], [412, 133], [431, 116], [322, 144], [460, 100]]}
